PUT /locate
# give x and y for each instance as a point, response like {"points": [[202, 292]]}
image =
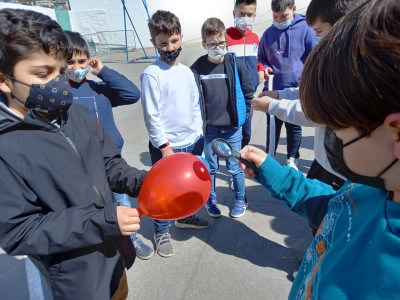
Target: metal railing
{"points": [[104, 42]]}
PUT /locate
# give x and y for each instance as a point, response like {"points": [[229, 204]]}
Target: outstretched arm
{"points": [[29, 227], [309, 198]]}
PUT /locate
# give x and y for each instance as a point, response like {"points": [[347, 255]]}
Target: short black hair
{"points": [[281, 5], [211, 27], [78, 43], [165, 22], [245, 2], [23, 32], [329, 11]]}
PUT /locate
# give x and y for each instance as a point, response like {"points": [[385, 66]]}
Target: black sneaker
{"points": [[192, 221]]}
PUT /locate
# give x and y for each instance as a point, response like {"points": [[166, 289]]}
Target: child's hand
{"points": [[272, 94], [261, 104], [267, 73], [97, 65], [128, 220], [167, 151], [260, 77], [252, 154]]}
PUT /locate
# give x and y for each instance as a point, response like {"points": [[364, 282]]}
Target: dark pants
{"points": [[162, 226], [318, 172], [246, 129], [293, 134]]}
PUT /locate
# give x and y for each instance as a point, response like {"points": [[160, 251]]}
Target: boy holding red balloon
{"points": [[59, 168], [171, 109]]}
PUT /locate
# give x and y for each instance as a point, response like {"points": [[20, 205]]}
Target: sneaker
{"points": [[239, 208], [213, 209], [192, 221], [292, 162], [231, 185], [143, 251], [163, 244]]}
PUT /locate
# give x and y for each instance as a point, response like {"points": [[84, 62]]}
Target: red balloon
{"points": [[175, 187]]}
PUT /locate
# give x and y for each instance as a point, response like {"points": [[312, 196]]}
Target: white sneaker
{"points": [[292, 162]]}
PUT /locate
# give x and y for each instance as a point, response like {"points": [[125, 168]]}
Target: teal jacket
{"points": [[356, 251]]}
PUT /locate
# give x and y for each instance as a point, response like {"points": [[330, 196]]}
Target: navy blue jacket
{"points": [[100, 97], [246, 85]]}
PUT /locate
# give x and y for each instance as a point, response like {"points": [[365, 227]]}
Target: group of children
{"points": [[62, 168]]}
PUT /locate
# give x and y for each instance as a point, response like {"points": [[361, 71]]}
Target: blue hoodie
{"points": [[355, 252], [285, 51], [100, 97]]}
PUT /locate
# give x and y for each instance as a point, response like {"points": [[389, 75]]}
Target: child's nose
{"points": [[171, 47]]}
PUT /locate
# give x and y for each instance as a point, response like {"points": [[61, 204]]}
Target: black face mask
{"points": [[53, 97], [334, 152], [169, 57]]}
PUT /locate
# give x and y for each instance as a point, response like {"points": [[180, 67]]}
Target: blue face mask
{"points": [[317, 39], [282, 25]]}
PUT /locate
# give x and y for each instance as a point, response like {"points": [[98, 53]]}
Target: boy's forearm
{"points": [[296, 191], [289, 111], [123, 91], [34, 232], [289, 93]]}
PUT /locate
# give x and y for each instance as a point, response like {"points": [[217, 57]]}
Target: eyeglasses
{"points": [[214, 45]]}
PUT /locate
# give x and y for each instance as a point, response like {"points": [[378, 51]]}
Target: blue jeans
{"points": [[293, 133], [234, 137], [162, 226], [125, 200]]}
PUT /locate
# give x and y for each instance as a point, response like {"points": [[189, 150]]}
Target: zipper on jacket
{"points": [[231, 65], [65, 135]]}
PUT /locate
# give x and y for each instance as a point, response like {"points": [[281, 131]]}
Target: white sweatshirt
{"points": [[170, 101], [289, 109]]}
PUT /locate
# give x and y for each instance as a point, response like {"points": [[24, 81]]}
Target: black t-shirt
{"points": [[215, 88]]}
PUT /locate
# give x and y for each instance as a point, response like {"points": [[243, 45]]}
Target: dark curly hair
{"points": [[23, 32]]}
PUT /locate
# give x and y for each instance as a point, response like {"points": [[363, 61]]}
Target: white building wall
{"points": [[107, 15], [46, 11]]}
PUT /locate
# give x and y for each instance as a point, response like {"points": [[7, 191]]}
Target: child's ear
{"points": [[152, 41], [392, 125], [204, 45], [4, 84], [294, 8]]}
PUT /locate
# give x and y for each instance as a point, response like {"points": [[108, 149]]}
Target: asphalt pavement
{"points": [[252, 257]]}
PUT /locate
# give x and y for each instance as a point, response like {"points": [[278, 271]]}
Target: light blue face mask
{"points": [[282, 25], [317, 39], [77, 75]]}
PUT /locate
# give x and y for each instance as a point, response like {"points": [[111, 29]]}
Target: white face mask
{"points": [[77, 75], [216, 54], [244, 22]]}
